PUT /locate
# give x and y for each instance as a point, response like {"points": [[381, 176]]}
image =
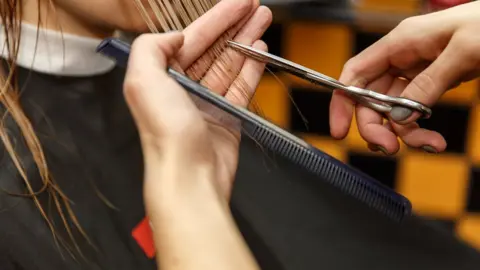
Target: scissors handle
{"points": [[371, 99], [385, 103]]}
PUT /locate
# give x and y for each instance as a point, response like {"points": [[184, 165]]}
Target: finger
{"points": [[240, 93], [227, 67], [341, 114], [252, 71], [434, 81], [469, 76], [411, 72], [359, 71], [375, 147], [200, 66], [416, 137], [411, 134], [370, 123], [151, 52], [203, 32], [368, 64], [151, 94]]}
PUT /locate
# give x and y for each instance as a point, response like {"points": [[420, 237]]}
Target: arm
{"points": [[193, 227], [185, 163]]}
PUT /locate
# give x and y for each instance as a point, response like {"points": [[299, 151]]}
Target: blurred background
{"points": [[323, 35]]}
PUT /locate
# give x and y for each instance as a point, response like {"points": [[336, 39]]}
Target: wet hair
{"points": [[176, 15], [170, 15], [10, 15]]}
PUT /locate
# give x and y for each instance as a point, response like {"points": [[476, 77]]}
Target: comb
{"points": [[349, 180]]}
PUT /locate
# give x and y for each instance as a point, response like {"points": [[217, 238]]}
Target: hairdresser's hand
{"points": [[204, 57], [434, 52], [187, 157], [193, 140]]}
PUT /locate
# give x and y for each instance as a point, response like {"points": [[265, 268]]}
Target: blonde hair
{"points": [[166, 12]]}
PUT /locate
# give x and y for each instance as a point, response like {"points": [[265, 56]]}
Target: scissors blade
{"points": [[287, 66], [304, 73], [363, 96]]}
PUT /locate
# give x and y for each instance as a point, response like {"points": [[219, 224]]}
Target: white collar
{"points": [[57, 54]]}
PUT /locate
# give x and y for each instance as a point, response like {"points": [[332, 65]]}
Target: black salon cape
{"points": [[290, 219]]}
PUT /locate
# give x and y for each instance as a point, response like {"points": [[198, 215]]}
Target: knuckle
{"points": [[141, 40], [351, 73], [420, 87], [263, 46], [152, 43], [348, 65], [465, 45], [408, 23], [131, 86], [467, 41], [351, 66], [132, 91], [406, 30]]}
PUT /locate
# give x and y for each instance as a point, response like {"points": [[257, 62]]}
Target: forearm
{"points": [[200, 237], [192, 225]]}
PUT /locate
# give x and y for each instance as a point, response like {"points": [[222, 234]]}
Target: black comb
{"points": [[348, 179]]}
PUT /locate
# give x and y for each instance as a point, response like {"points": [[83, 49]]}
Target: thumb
{"points": [[153, 51], [158, 104], [428, 86]]}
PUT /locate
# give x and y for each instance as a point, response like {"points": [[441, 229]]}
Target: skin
{"points": [[175, 134], [176, 197], [90, 18], [421, 59]]}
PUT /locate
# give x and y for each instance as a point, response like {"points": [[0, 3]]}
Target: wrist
{"points": [[172, 181], [183, 197], [201, 233]]}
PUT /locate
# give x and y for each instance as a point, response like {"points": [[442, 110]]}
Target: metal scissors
{"points": [[371, 99]]}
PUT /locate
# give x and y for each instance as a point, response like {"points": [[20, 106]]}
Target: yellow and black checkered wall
{"points": [[442, 187]]}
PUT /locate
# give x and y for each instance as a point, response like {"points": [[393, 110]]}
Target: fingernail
{"points": [[429, 149], [385, 152], [372, 147], [400, 113], [376, 148]]}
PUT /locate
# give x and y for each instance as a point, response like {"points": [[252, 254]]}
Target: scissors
{"points": [[371, 99]]}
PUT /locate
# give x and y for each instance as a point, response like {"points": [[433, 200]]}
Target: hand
{"points": [[187, 156], [191, 150], [177, 136], [420, 59]]}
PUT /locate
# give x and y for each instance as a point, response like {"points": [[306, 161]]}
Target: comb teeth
{"points": [[349, 180]]}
